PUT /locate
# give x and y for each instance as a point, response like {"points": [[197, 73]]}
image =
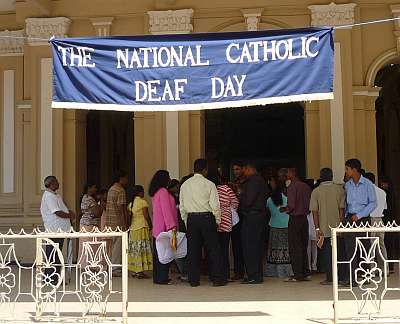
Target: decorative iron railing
{"points": [[52, 280], [367, 273]]}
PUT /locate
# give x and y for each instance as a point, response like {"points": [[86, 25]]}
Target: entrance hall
{"points": [[272, 136]]}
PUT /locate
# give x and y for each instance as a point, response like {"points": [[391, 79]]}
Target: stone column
{"points": [[252, 18], [176, 123], [341, 110], [364, 108], [47, 122], [102, 25]]}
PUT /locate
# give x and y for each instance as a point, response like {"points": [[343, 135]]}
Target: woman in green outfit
{"points": [[140, 257]]}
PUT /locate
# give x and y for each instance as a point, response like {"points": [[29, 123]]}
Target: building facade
{"points": [[36, 141]]}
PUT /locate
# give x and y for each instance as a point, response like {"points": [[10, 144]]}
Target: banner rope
{"points": [[372, 22], [379, 21]]}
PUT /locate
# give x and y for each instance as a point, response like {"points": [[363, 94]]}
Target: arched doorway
{"points": [[109, 146], [272, 136], [388, 127]]}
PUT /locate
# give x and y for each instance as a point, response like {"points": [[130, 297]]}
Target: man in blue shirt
{"points": [[360, 193], [361, 202]]}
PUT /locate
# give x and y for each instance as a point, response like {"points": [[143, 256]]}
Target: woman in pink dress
{"points": [[165, 218]]}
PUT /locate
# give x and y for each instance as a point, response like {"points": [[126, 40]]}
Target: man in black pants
{"points": [[200, 210], [298, 207], [361, 202], [253, 209]]}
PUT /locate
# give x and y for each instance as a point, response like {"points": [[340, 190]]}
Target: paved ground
{"points": [[272, 302]]}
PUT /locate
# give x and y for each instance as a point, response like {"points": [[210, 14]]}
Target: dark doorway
{"points": [[272, 136], [110, 146], [388, 130]]}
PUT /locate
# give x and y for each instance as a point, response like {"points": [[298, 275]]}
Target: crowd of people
{"points": [[274, 227]]}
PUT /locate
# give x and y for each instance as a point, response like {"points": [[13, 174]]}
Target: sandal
{"points": [[141, 275]]}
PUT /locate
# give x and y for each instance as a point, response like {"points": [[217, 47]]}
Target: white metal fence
{"points": [[369, 284], [86, 286]]}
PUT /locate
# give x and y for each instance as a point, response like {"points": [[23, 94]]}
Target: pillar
{"points": [[177, 124], [366, 141], [342, 135]]}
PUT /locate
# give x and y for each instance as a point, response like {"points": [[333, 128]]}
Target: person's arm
{"points": [[97, 210], [54, 207], [234, 202], [372, 203], [121, 201], [291, 195], [168, 209], [147, 217], [316, 223], [182, 208], [214, 204], [314, 207], [61, 214]]}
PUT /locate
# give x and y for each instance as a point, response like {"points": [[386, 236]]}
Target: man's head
{"points": [[282, 175], [51, 183], [370, 176], [353, 168], [201, 167], [121, 177], [291, 173], [250, 169], [326, 174], [237, 169]]}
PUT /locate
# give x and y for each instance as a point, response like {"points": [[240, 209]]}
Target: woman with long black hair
{"points": [[165, 218], [278, 260]]}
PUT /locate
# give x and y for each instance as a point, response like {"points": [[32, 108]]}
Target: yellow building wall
{"points": [[360, 47]]}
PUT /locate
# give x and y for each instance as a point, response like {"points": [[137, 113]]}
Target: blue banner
{"points": [[193, 71]]}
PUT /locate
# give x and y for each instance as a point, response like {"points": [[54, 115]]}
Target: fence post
{"points": [[125, 277], [38, 281], [335, 276]]}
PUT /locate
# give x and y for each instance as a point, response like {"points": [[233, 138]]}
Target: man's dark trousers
{"points": [[350, 240], [237, 250], [52, 256], [202, 229], [253, 238], [298, 241]]}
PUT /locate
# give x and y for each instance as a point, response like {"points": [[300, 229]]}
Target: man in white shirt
{"points": [[376, 217], [200, 210], [56, 218]]}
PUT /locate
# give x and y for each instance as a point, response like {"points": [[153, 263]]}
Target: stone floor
{"points": [[272, 302]]}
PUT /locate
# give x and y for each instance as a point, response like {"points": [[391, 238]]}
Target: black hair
{"points": [[87, 186], [326, 174], [354, 164], [200, 165], [136, 191], [370, 176], [276, 195], [173, 183], [102, 191], [238, 163], [160, 180], [251, 164], [118, 175]]}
